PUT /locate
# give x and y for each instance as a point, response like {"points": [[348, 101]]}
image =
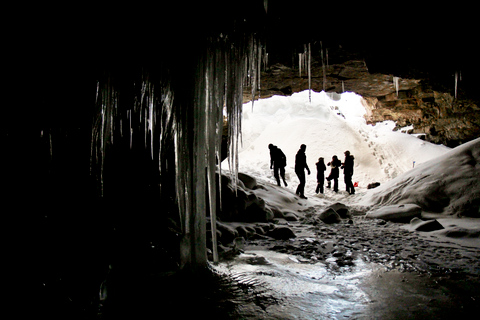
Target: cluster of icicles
{"points": [[192, 124]]}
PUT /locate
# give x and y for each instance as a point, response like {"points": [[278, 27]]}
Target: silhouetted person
{"points": [[347, 166], [300, 166], [334, 172], [278, 161], [320, 174]]}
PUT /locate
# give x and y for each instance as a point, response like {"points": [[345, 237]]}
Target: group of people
{"points": [[278, 162]]}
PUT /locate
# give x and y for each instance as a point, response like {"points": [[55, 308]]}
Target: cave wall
{"points": [[425, 101]]}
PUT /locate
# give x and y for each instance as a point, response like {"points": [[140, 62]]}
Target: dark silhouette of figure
{"points": [[300, 166], [278, 161], [320, 174], [347, 166], [334, 173]]}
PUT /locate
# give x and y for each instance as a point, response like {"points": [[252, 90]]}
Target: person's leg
{"points": [[298, 188], [352, 188], [275, 174], [301, 186], [282, 174], [335, 184]]}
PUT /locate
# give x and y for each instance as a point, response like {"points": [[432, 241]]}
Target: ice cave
{"points": [[140, 184]]}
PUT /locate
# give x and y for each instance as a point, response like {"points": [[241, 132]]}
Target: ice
{"points": [[395, 84]]}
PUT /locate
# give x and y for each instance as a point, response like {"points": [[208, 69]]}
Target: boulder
{"points": [[425, 226], [330, 216], [248, 181], [227, 233], [373, 185], [245, 231], [341, 209], [290, 216], [281, 233], [399, 213]]}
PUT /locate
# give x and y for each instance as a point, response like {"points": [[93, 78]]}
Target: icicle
{"points": [[395, 84], [326, 54], [309, 74], [343, 86], [300, 64], [323, 67], [456, 83]]}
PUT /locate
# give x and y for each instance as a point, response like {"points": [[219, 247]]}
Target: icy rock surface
{"points": [[396, 212]]}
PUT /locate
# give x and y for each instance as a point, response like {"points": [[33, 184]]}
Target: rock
{"points": [[290, 216], [425, 226], [341, 209], [373, 185], [245, 231], [228, 233], [403, 212], [330, 216], [281, 233], [248, 181]]}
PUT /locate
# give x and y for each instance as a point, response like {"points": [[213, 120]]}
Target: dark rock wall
{"points": [[427, 101]]}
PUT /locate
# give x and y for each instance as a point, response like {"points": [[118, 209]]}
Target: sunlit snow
{"points": [[329, 125]]}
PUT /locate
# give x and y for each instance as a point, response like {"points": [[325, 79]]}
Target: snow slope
{"points": [[449, 184], [328, 125]]}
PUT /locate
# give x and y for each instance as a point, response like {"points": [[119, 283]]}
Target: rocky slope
{"points": [[437, 116]]}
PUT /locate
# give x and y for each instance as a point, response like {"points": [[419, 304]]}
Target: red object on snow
{"points": [[355, 184]]}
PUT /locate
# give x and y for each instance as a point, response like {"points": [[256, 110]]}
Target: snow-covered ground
{"points": [[329, 125]]}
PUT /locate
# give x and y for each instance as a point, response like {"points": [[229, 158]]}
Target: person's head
{"points": [[303, 147], [271, 146], [320, 159], [347, 153], [334, 158]]}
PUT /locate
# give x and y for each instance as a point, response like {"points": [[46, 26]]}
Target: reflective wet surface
{"points": [[291, 289]]}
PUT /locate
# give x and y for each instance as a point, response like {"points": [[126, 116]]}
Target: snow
{"points": [[413, 173], [329, 125], [448, 184]]}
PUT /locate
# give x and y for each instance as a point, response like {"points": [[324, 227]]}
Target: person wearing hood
{"points": [[334, 173], [347, 167], [320, 174], [278, 161], [300, 166]]}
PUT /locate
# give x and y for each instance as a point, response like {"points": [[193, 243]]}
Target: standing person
{"points": [[347, 166], [300, 166], [320, 174], [278, 161], [334, 173]]}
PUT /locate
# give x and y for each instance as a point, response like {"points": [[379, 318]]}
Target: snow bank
{"points": [[449, 184], [328, 126]]}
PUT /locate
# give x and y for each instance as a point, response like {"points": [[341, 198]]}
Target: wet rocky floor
{"points": [[356, 269]]}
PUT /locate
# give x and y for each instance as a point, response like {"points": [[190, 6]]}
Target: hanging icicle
{"points": [[458, 77], [309, 73], [395, 84]]}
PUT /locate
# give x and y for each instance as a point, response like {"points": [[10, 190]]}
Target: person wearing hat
{"points": [[347, 167]]}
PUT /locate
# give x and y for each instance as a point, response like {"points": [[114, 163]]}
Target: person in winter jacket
{"points": [[320, 174], [278, 161], [300, 166], [334, 172], [347, 167]]}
